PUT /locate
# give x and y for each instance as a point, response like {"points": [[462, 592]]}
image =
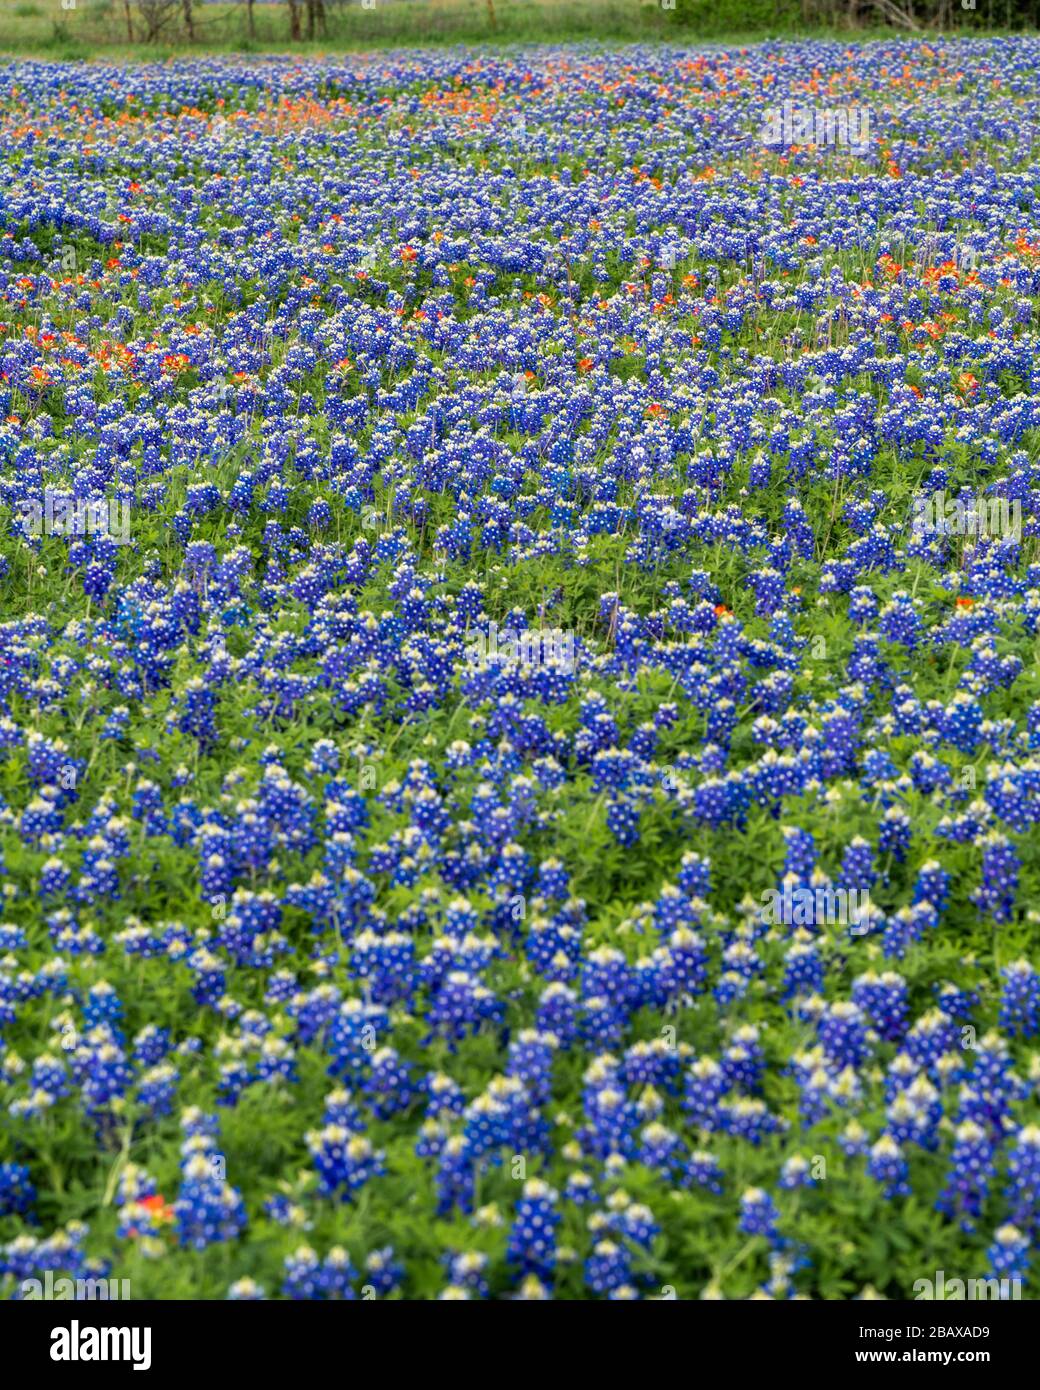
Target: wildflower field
{"points": [[519, 691]]}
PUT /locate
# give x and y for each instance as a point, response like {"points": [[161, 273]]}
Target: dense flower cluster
{"points": [[519, 728]]}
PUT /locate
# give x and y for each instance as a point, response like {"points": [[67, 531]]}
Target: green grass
{"points": [[97, 28]]}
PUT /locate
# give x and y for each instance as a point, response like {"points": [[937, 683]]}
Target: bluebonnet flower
{"points": [[887, 1165], [17, 1193], [302, 1274], [383, 1272], [388, 1086], [246, 1291], [207, 1209], [343, 1160], [532, 1238], [468, 1272], [843, 1033], [995, 895], [969, 1176], [335, 1280], [758, 1214], [1020, 1001], [1023, 1169], [1008, 1256], [608, 1267]]}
